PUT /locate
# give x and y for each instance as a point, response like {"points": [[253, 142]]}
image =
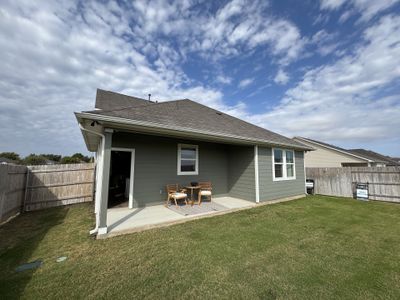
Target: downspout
{"points": [[93, 231]]}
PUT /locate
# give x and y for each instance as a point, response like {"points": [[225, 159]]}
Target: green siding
{"points": [[229, 168], [241, 175], [156, 166], [270, 189]]}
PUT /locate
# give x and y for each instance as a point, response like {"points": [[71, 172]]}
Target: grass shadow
{"points": [[20, 239]]}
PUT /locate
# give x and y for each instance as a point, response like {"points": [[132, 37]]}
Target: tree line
{"points": [[45, 159]]}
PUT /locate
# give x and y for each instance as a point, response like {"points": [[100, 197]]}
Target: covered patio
{"points": [[124, 220], [143, 147]]}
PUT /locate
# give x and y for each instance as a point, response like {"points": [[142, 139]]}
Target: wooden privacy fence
{"points": [[37, 187], [383, 183], [56, 185], [12, 190]]}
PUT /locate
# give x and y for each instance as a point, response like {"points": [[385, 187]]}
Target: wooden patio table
{"points": [[192, 188]]}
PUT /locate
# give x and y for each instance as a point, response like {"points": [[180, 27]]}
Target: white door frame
{"points": [[132, 174]]}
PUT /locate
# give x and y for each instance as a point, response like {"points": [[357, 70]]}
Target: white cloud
{"points": [[370, 8], [367, 8], [354, 99], [245, 82], [325, 42], [332, 4], [224, 79], [237, 26], [55, 54], [54, 58], [281, 77]]}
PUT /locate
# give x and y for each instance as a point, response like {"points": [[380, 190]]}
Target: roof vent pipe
{"points": [[149, 97]]}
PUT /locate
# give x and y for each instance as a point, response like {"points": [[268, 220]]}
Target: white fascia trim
{"points": [[179, 129], [334, 149], [256, 174]]}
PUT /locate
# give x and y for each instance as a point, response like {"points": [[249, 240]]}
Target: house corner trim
{"points": [[256, 174]]}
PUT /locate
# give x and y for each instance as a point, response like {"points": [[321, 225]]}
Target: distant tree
{"points": [[81, 157], [70, 160], [77, 155], [10, 155], [53, 157], [34, 159]]}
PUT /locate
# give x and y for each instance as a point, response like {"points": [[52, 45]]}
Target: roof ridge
{"points": [[151, 103], [120, 94], [322, 143]]}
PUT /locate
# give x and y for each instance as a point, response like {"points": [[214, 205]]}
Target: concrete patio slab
{"points": [[125, 220]]}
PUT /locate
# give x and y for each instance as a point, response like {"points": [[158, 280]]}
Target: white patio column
{"points": [[256, 174], [305, 175], [105, 178], [99, 173]]}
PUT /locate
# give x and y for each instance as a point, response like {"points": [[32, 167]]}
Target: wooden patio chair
{"points": [[205, 190], [175, 194]]}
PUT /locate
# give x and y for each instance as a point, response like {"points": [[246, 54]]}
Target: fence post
{"points": [[3, 177], [26, 189]]}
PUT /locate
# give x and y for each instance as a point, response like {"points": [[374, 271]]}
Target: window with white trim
{"points": [[188, 159], [283, 164]]}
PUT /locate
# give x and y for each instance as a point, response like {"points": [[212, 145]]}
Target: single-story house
{"points": [[146, 145], [330, 156], [379, 160], [7, 161]]}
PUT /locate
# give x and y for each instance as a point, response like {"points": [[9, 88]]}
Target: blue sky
{"points": [[328, 70]]}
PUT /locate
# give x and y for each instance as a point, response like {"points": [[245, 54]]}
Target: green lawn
{"points": [[316, 247]]}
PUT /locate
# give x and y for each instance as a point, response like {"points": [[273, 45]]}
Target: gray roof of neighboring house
{"points": [[321, 143], [376, 157], [5, 160], [185, 114], [362, 153]]}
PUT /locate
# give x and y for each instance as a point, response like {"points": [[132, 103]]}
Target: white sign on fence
{"points": [[309, 184], [362, 191]]}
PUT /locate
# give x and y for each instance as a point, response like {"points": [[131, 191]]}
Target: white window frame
{"points": [[284, 169], [196, 171]]}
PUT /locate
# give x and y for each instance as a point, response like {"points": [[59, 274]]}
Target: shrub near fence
{"points": [[383, 183], [37, 187]]}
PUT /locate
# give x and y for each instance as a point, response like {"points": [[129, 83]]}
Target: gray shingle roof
{"points": [[366, 154], [322, 143], [7, 160], [110, 100], [188, 114], [374, 156]]}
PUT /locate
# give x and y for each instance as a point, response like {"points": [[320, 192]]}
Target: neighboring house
{"points": [[145, 145], [7, 161], [378, 159], [50, 162], [330, 156]]}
